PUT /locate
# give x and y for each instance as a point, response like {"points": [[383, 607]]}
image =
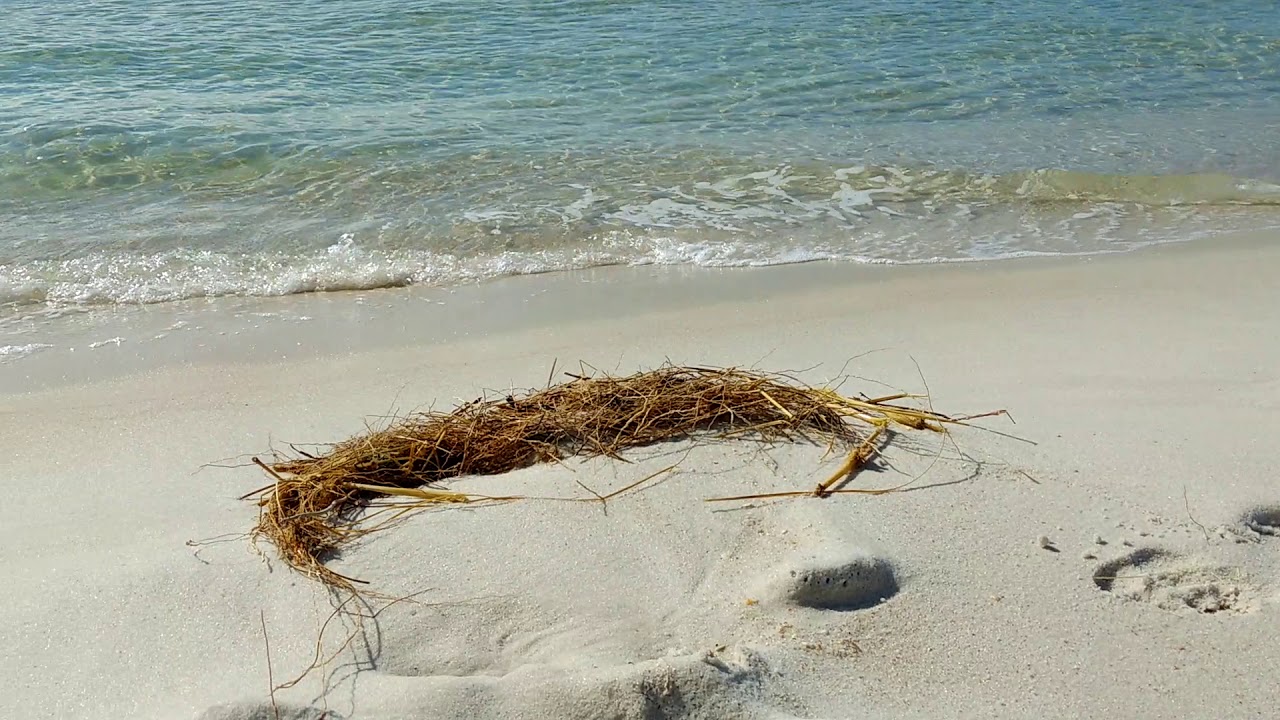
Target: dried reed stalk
{"points": [[314, 505]]}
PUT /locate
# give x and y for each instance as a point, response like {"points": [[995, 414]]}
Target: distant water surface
{"points": [[153, 151]]}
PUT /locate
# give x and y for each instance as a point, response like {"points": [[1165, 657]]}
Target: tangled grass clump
{"points": [[314, 506]]}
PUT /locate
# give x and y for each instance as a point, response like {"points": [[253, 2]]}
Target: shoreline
{"points": [[1144, 387], [127, 340]]}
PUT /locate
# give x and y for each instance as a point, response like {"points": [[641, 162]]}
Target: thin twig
{"points": [[1187, 504], [857, 457], [271, 682], [799, 493], [604, 503], [641, 481]]}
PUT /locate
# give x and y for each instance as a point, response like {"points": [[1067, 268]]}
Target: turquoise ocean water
{"points": [[152, 151]]}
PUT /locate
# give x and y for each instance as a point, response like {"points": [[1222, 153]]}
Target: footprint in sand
{"points": [[848, 578], [1174, 582], [1264, 520]]}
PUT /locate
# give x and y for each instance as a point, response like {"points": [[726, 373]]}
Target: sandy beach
{"points": [[1113, 553]]}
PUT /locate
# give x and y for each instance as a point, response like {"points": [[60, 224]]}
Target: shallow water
{"points": [[155, 151]]}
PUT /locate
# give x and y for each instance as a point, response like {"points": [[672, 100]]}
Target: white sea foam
{"points": [[129, 279], [10, 353], [117, 341], [767, 217]]}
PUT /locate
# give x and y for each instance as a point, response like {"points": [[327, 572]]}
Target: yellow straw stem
{"points": [[444, 496], [778, 405]]}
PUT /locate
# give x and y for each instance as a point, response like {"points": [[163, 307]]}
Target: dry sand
{"points": [[1146, 390]]}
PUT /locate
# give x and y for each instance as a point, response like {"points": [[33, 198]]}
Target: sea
{"points": [[158, 151]]}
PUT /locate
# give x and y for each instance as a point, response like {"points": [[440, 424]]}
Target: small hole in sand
{"points": [[861, 582], [1264, 520]]}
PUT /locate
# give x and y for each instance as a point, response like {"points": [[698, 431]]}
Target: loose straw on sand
{"points": [[314, 506]]}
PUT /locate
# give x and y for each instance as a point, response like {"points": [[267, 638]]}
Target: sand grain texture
{"points": [[1148, 382]]}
